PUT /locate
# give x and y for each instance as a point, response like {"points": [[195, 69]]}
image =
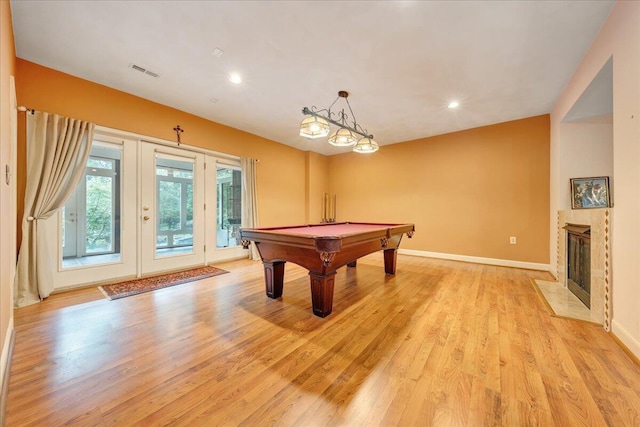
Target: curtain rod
{"points": [[26, 109], [32, 111]]}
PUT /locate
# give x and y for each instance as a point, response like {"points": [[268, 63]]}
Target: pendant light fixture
{"points": [[349, 133]]}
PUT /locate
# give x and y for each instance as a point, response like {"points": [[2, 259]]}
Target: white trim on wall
{"points": [[4, 359], [117, 133], [623, 335], [477, 260]]}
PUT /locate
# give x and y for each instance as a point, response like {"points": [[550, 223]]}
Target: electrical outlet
{"points": [[512, 240]]}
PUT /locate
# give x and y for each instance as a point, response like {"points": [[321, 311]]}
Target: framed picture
{"points": [[588, 193]]}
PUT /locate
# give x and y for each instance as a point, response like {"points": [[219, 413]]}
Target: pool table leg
{"points": [[352, 263], [274, 278], [390, 256], [322, 293]]}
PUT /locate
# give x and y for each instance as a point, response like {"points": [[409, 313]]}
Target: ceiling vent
{"points": [[143, 70]]}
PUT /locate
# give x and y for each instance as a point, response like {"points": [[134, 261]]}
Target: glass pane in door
{"points": [[91, 217], [229, 207], [99, 214], [174, 225]]}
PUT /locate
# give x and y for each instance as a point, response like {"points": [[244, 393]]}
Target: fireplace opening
{"points": [[579, 261]]}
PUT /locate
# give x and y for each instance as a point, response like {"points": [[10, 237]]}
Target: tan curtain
{"points": [[57, 152], [249, 200]]}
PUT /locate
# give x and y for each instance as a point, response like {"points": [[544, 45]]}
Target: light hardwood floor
{"points": [[439, 343]]}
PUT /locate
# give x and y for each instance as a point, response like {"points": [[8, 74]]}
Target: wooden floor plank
{"points": [[439, 343]]}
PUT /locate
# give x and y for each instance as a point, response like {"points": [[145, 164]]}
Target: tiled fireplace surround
{"points": [[600, 222]]}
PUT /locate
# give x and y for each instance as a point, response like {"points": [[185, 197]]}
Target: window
{"points": [[174, 181], [91, 217], [229, 206]]}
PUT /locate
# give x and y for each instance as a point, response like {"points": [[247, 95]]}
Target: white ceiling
{"points": [[401, 61]]}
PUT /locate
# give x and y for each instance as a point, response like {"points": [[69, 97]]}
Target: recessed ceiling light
{"points": [[454, 104], [235, 78]]}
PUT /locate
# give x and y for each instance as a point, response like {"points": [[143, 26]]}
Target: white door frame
{"points": [[215, 254], [64, 278], [131, 264], [150, 260]]}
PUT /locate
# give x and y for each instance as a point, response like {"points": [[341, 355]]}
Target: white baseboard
{"points": [[5, 350], [621, 333], [477, 260]]}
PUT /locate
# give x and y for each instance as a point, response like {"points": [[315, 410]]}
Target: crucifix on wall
{"points": [[178, 130]]}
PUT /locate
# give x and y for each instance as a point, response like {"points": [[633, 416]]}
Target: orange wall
{"points": [[467, 192], [317, 185], [281, 170], [7, 69]]}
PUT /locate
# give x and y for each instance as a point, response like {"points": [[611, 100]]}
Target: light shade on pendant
{"points": [[314, 127], [342, 138], [366, 145]]}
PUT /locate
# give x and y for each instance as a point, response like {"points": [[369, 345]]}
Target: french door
{"points": [[224, 209], [96, 228], [171, 214], [140, 209]]}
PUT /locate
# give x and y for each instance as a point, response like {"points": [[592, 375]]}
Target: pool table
{"points": [[322, 249]]}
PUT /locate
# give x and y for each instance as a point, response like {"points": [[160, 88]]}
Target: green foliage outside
{"points": [[175, 205], [170, 206], [99, 213]]}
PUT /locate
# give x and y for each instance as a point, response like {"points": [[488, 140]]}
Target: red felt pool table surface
{"points": [[335, 229], [322, 249]]}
